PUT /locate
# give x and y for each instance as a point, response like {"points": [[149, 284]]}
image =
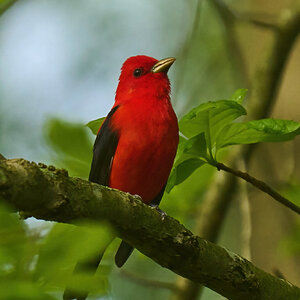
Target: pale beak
{"points": [[163, 65]]}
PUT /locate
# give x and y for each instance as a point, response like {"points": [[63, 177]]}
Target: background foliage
{"points": [[60, 63]]}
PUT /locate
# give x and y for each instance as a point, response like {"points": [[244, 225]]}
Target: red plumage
{"points": [[147, 128]]}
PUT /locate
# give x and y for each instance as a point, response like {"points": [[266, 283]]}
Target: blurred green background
{"points": [[59, 68]]}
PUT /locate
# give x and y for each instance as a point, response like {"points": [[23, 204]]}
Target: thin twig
{"points": [[260, 185]]}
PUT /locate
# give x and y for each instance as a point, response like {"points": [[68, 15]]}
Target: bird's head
{"points": [[143, 77]]}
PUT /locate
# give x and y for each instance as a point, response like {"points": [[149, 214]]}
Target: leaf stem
{"points": [[260, 185]]}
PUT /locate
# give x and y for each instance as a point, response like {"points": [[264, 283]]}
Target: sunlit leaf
{"points": [[239, 95], [265, 130], [210, 118], [95, 125], [209, 127]]}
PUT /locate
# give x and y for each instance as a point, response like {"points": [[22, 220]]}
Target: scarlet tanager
{"points": [[136, 144]]}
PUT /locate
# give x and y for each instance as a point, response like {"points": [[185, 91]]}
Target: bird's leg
{"points": [[155, 206]]}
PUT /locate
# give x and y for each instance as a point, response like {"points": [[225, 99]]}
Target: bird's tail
{"points": [[123, 253], [86, 267]]}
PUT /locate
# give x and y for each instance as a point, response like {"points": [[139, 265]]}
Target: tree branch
{"points": [[260, 185], [50, 194]]}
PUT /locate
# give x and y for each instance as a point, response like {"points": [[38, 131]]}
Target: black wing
{"points": [[104, 150]]}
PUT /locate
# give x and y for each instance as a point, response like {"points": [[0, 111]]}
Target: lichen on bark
{"points": [[50, 194]]}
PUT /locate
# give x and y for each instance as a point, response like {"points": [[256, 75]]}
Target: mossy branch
{"points": [[50, 194]]}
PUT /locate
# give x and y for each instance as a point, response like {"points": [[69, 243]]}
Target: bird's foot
{"points": [[162, 213]]}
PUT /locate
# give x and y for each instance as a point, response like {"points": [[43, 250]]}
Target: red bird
{"points": [[136, 145]]}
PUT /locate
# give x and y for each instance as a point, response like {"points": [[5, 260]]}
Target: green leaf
{"points": [[193, 147], [187, 159], [180, 147], [182, 171], [209, 127], [265, 130], [18, 252], [239, 95], [13, 243], [196, 146], [64, 246], [210, 115], [95, 125], [210, 118], [71, 144]]}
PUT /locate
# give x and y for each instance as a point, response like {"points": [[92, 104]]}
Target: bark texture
{"points": [[50, 194]]}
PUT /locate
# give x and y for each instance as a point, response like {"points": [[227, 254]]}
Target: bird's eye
{"points": [[137, 72]]}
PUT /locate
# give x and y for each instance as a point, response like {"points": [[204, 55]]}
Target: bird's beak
{"points": [[163, 65]]}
